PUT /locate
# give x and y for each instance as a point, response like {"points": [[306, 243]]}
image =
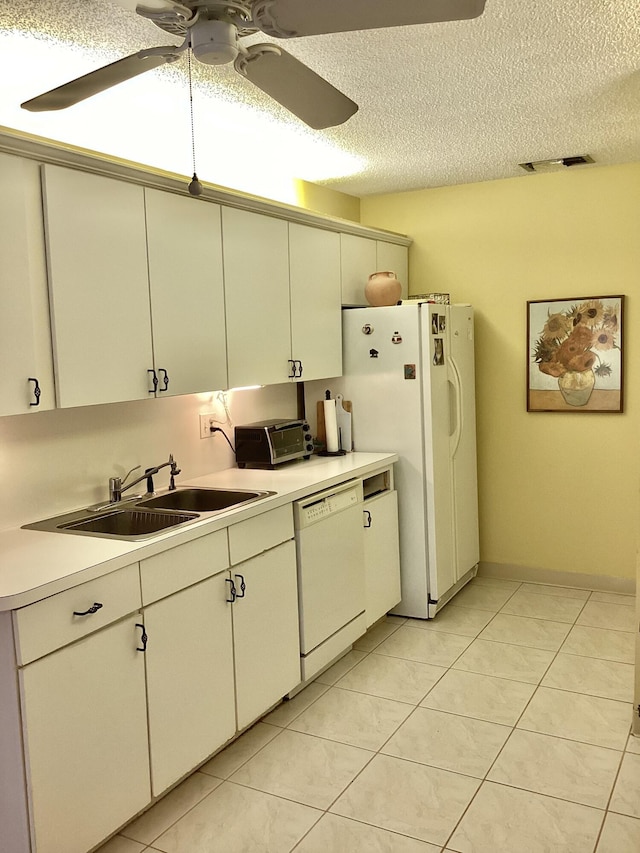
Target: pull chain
{"points": [[195, 187]]}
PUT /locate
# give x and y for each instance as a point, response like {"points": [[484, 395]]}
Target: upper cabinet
{"points": [[362, 256], [256, 275], [316, 322], [282, 287], [358, 260], [99, 288], [187, 293], [124, 292], [137, 301], [26, 380], [391, 256]]}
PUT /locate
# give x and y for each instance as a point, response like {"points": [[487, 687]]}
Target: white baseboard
{"points": [[529, 574]]}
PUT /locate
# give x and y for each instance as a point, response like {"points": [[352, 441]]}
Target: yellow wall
{"points": [[557, 491], [327, 201]]}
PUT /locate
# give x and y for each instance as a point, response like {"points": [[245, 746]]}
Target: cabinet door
{"points": [[25, 336], [189, 661], [85, 725], [187, 293], [358, 261], [256, 282], [99, 288], [391, 256], [316, 321], [381, 555], [265, 631]]}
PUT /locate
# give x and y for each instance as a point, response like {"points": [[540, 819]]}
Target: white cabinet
{"points": [[136, 291], [358, 261], [265, 631], [187, 293], [99, 291], [85, 730], [381, 547], [282, 286], [392, 256], [237, 628], [265, 611], [189, 662], [26, 379], [316, 322], [84, 711], [189, 655], [362, 256], [256, 274]]}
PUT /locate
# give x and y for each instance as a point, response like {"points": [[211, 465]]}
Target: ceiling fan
{"points": [[213, 29]]}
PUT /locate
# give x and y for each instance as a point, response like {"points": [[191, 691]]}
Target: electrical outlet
{"points": [[206, 422]]}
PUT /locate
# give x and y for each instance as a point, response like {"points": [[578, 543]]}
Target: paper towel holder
{"points": [[326, 452]]}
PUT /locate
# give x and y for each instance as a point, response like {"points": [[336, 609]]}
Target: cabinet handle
{"points": [[143, 638], [93, 609], [154, 381], [292, 374], [165, 380], [243, 586], [232, 591], [368, 514], [36, 391], [300, 368]]}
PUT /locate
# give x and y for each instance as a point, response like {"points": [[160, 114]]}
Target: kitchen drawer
{"points": [[258, 534], [183, 566], [51, 623]]}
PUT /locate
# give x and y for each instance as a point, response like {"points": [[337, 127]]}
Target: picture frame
{"points": [[575, 354]]}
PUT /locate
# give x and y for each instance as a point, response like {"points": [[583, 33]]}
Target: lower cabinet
{"points": [[265, 631], [85, 731], [381, 555], [189, 661], [129, 681], [219, 654]]}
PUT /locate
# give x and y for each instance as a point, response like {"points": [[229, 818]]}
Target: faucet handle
{"points": [[116, 484]]}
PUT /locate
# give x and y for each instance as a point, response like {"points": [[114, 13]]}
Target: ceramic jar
{"points": [[382, 288]]}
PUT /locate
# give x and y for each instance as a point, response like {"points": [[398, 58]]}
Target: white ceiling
{"points": [[440, 104]]}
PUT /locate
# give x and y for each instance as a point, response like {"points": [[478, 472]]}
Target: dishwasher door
{"points": [[330, 545]]}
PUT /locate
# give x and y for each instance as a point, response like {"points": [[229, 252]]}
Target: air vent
{"points": [[556, 164]]}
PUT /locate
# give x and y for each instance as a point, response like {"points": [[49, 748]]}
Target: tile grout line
{"points": [[415, 706], [513, 729]]}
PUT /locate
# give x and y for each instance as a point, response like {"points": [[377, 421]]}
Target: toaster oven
{"points": [[266, 444]]}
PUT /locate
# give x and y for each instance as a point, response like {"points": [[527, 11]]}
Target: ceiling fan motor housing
{"points": [[214, 42]]}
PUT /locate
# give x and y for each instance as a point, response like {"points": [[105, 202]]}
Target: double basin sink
{"points": [[140, 518]]}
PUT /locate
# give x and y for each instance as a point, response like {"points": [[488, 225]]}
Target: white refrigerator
{"points": [[409, 372]]}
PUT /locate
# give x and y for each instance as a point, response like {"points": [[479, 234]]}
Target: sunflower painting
{"points": [[575, 355]]}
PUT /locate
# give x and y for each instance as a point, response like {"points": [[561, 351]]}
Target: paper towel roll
{"points": [[331, 426]]}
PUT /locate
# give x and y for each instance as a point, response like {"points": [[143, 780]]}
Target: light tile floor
{"points": [[501, 726]]}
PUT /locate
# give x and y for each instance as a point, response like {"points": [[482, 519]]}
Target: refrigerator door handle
{"points": [[455, 407]]}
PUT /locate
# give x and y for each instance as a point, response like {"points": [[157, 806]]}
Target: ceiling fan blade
{"points": [[294, 85], [291, 18], [101, 79]]}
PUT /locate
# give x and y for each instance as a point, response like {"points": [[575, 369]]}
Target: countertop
{"points": [[35, 564]]}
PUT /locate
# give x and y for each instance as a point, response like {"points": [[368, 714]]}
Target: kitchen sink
{"points": [[128, 523], [138, 518], [203, 500]]}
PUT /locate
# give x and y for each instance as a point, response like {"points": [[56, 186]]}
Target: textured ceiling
{"points": [[440, 104]]}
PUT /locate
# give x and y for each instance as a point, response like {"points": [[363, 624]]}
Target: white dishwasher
{"points": [[331, 584]]}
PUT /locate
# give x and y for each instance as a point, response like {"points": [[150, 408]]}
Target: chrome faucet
{"points": [[117, 484]]}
